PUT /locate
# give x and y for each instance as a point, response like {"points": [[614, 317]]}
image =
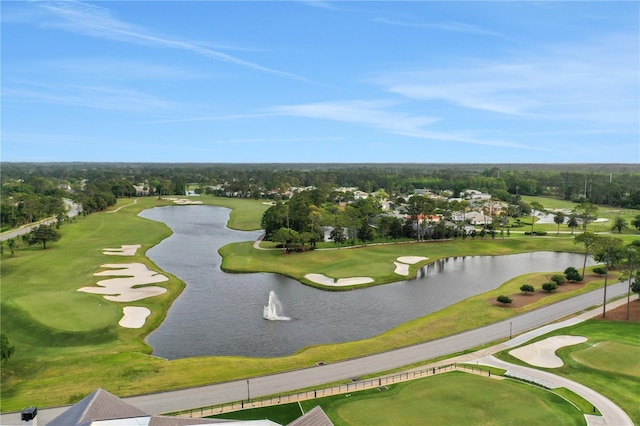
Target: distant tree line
{"points": [[31, 191]]}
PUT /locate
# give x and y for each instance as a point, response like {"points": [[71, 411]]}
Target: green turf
{"points": [[70, 360], [452, 398], [615, 375], [612, 357], [458, 398], [70, 311]]}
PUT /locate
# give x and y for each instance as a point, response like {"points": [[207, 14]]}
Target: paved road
{"points": [[319, 375], [73, 210]]}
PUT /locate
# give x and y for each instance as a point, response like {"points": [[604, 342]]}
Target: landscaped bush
{"points": [[537, 233], [549, 287], [559, 279], [599, 270], [572, 274], [504, 299], [527, 288]]}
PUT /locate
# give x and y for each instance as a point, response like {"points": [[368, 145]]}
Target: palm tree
{"points": [[572, 222], [609, 251], [586, 212], [619, 224], [559, 219], [633, 259], [535, 206], [589, 239]]}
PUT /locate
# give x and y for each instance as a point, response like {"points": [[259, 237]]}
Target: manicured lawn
{"points": [[69, 357], [376, 261], [604, 212], [608, 362], [454, 398]]}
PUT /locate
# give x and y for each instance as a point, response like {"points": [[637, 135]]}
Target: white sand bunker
{"points": [[182, 200], [543, 353], [124, 250], [411, 259], [402, 265], [127, 289], [134, 316], [401, 268], [324, 280]]}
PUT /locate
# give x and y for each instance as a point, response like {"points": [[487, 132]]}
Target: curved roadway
{"points": [[318, 375]]}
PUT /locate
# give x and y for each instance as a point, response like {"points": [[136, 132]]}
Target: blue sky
{"points": [[321, 81]]}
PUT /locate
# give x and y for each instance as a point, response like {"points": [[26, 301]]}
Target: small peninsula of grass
{"points": [[71, 360]]}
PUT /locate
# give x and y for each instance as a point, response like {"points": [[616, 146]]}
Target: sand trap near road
{"points": [[411, 259], [543, 353], [134, 316], [126, 289], [124, 250], [324, 280]]}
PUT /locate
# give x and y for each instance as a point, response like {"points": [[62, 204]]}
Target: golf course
{"points": [[69, 342]]}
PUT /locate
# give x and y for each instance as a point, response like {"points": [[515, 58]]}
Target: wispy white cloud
{"points": [[378, 115], [201, 118], [322, 4], [373, 113], [597, 82], [112, 69], [458, 27], [87, 96], [97, 21]]}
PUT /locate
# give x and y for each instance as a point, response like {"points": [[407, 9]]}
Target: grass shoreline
{"points": [[121, 361]]}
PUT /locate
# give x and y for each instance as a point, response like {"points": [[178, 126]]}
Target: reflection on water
{"points": [[222, 314]]}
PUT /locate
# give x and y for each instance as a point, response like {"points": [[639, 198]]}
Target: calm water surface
{"points": [[221, 314]]}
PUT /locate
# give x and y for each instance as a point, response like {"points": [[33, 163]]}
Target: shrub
{"points": [[572, 274], [549, 287], [599, 270], [527, 288], [504, 299], [559, 279]]}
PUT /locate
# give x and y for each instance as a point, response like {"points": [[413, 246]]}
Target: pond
{"points": [[222, 314]]}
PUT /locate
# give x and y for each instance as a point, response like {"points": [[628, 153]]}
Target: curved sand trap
{"points": [[411, 259], [543, 353], [124, 250], [324, 280], [182, 200], [401, 268], [126, 289], [134, 316], [402, 265]]}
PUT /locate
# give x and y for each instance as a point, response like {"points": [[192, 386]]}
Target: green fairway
{"points": [[70, 311], [613, 357], [455, 398], [376, 261], [69, 343], [608, 362]]}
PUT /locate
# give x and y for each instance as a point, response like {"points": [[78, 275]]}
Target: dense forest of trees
{"points": [[32, 191]]}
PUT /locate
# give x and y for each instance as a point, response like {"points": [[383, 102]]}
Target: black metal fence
{"points": [[355, 385]]}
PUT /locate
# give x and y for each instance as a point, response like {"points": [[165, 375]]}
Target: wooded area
{"points": [[32, 191]]}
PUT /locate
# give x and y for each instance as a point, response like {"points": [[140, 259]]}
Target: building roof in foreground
{"points": [[314, 417], [104, 409]]}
